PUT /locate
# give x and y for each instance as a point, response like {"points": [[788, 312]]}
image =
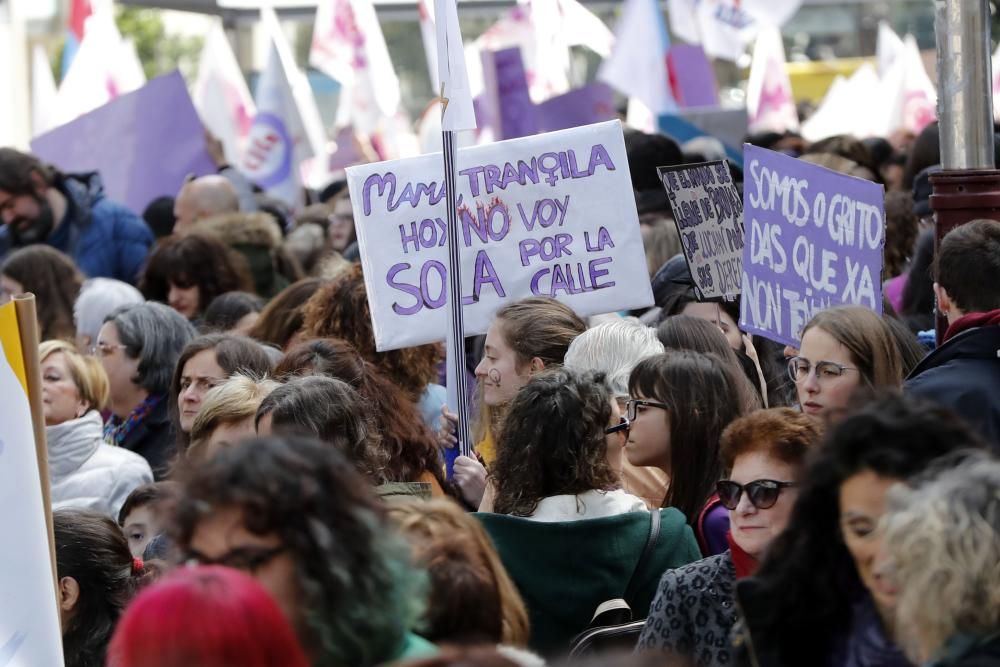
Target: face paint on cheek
{"points": [[495, 377]]}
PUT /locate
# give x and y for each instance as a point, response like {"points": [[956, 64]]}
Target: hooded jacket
{"points": [[104, 238], [258, 238], [565, 569], [963, 374], [88, 474]]}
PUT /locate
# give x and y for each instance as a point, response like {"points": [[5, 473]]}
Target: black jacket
{"points": [[155, 440], [964, 375], [971, 653]]}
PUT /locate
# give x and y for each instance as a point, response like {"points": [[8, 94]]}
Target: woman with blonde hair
{"points": [[943, 542], [84, 472], [227, 415], [441, 533]]}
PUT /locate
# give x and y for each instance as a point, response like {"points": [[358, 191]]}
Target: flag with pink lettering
{"points": [[814, 239], [548, 215], [770, 104]]}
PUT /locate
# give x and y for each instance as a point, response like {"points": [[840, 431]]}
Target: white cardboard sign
{"points": [[548, 215]]}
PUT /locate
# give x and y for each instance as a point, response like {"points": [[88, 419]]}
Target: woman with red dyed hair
{"points": [[209, 616]]}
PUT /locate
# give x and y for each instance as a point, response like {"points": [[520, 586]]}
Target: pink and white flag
{"points": [[104, 67], [43, 92], [221, 96], [908, 100], [348, 46], [770, 105]]}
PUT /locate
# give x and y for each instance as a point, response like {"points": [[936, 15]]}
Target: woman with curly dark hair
{"points": [[97, 578], [410, 445], [817, 598], [280, 323], [564, 505], [188, 272], [296, 516], [55, 281], [340, 310]]}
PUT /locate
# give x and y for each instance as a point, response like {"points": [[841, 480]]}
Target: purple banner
{"points": [[814, 239], [506, 82], [594, 103], [693, 77], [143, 143]]}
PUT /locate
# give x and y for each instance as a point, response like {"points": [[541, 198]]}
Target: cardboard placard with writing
{"points": [[548, 215], [708, 213], [814, 240]]}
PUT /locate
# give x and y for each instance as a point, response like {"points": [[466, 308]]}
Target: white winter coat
{"points": [[87, 473]]}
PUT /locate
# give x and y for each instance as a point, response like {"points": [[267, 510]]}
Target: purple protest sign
{"points": [[143, 143], [506, 83], [593, 103], [814, 239], [694, 78]]}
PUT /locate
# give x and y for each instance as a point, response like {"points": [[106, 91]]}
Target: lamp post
{"points": [[968, 187]]}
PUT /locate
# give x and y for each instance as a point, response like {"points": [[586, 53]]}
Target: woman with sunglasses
{"points": [[843, 349], [818, 597], [693, 611]]}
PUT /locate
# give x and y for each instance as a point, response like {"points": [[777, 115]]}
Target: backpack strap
{"points": [[646, 555], [699, 532]]}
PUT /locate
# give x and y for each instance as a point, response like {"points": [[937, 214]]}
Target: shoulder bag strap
{"points": [[646, 555]]}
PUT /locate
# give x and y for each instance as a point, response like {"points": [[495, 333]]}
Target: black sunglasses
{"points": [[621, 426], [763, 493]]}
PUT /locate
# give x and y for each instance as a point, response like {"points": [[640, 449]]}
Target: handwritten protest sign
{"points": [[548, 215], [709, 217], [814, 239]]}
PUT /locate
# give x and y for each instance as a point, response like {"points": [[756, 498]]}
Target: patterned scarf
{"points": [[117, 429]]}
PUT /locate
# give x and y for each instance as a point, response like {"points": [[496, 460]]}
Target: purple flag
{"points": [[693, 77], [143, 143], [513, 113], [814, 239], [593, 103]]}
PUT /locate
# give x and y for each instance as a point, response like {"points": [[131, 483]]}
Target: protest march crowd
{"points": [[679, 459]]}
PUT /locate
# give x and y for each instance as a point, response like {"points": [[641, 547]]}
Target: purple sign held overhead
{"points": [[814, 239], [594, 103], [143, 143], [506, 83]]}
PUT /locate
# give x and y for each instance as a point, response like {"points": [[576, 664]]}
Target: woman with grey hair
{"points": [[98, 297], [943, 546], [614, 348], [139, 346]]}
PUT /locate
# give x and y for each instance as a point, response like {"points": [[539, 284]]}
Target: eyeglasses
{"points": [[105, 349], [763, 493], [247, 559], [798, 369], [617, 428], [632, 406]]}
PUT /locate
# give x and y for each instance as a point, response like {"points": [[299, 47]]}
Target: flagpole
{"points": [[456, 323]]}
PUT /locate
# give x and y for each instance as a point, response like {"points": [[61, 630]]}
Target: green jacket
{"points": [[564, 570]]}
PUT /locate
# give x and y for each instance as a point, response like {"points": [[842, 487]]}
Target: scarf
{"points": [[971, 321], [744, 563], [117, 430], [73, 442]]}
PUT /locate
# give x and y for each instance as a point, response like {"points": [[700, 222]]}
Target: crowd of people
{"points": [[238, 476]]}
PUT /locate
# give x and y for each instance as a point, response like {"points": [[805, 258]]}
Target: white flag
{"points": [[888, 47], [996, 83], [770, 105], [43, 92], [348, 46], [425, 12], [908, 100], [221, 96], [279, 139], [840, 113], [458, 113], [637, 66], [725, 28]]}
